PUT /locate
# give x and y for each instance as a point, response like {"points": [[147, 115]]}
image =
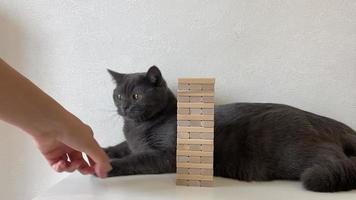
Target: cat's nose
{"points": [[125, 107]]}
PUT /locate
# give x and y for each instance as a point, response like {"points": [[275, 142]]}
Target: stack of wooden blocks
{"points": [[195, 131]]}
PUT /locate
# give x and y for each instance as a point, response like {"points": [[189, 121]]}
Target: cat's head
{"points": [[139, 96]]}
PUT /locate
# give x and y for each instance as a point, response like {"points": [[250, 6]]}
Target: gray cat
{"points": [[253, 141]]}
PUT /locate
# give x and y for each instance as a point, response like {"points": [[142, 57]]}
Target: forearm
{"points": [[26, 106]]}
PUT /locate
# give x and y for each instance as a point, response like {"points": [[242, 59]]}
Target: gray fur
{"points": [[253, 141]]}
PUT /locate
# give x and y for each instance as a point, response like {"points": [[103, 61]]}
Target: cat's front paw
{"points": [[116, 171], [120, 168], [112, 173], [110, 152]]}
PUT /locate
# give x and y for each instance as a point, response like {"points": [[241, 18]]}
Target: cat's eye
{"points": [[119, 96], [135, 96]]}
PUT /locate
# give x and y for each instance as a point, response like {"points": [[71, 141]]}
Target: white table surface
{"points": [[77, 187]]}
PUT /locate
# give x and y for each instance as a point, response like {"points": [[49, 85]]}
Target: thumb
{"points": [[98, 159]]}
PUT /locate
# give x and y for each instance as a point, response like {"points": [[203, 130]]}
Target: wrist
{"points": [[55, 126]]}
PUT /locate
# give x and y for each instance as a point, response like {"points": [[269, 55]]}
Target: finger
{"points": [[83, 166], [59, 166], [92, 165], [55, 157], [98, 159], [85, 169], [75, 155], [73, 166], [65, 165], [100, 174], [91, 161]]}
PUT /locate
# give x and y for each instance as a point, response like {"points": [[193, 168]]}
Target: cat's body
{"points": [[253, 141]]}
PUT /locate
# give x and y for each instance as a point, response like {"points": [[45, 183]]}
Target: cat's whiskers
{"points": [[112, 115]]}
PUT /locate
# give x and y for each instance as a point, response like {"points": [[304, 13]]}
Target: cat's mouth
{"points": [[133, 114]]}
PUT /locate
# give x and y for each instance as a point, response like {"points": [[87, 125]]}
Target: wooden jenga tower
{"points": [[195, 131]]}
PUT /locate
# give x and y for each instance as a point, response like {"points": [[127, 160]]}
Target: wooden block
{"points": [[183, 123], [194, 159], [207, 124], [196, 81], [208, 99], [194, 177], [194, 135], [194, 141], [183, 147], [195, 147], [194, 129], [208, 87], [195, 87], [207, 147], [183, 170], [206, 183], [183, 86], [193, 183], [206, 136], [206, 111], [194, 153], [206, 159], [195, 117], [188, 93], [207, 90], [195, 99], [184, 99], [196, 123], [195, 165], [183, 135], [183, 111], [198, 135], [196, 111], [207, 172], [195, 105], [182, 159], [195, 171]]}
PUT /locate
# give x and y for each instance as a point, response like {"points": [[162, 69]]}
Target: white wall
{"points": [[300, 52]]}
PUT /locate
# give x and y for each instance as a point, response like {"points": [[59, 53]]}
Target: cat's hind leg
{"points": [[330, 171], [349, 144]]}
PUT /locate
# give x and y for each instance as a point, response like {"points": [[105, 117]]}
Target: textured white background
{"points": [[300, 52]]}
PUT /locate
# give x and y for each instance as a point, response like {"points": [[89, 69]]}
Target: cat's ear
{"points": [[155, 77], [117, 77]]}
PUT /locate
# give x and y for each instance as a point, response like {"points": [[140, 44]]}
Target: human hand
{"points": [[60, 136], [63, 151]]}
